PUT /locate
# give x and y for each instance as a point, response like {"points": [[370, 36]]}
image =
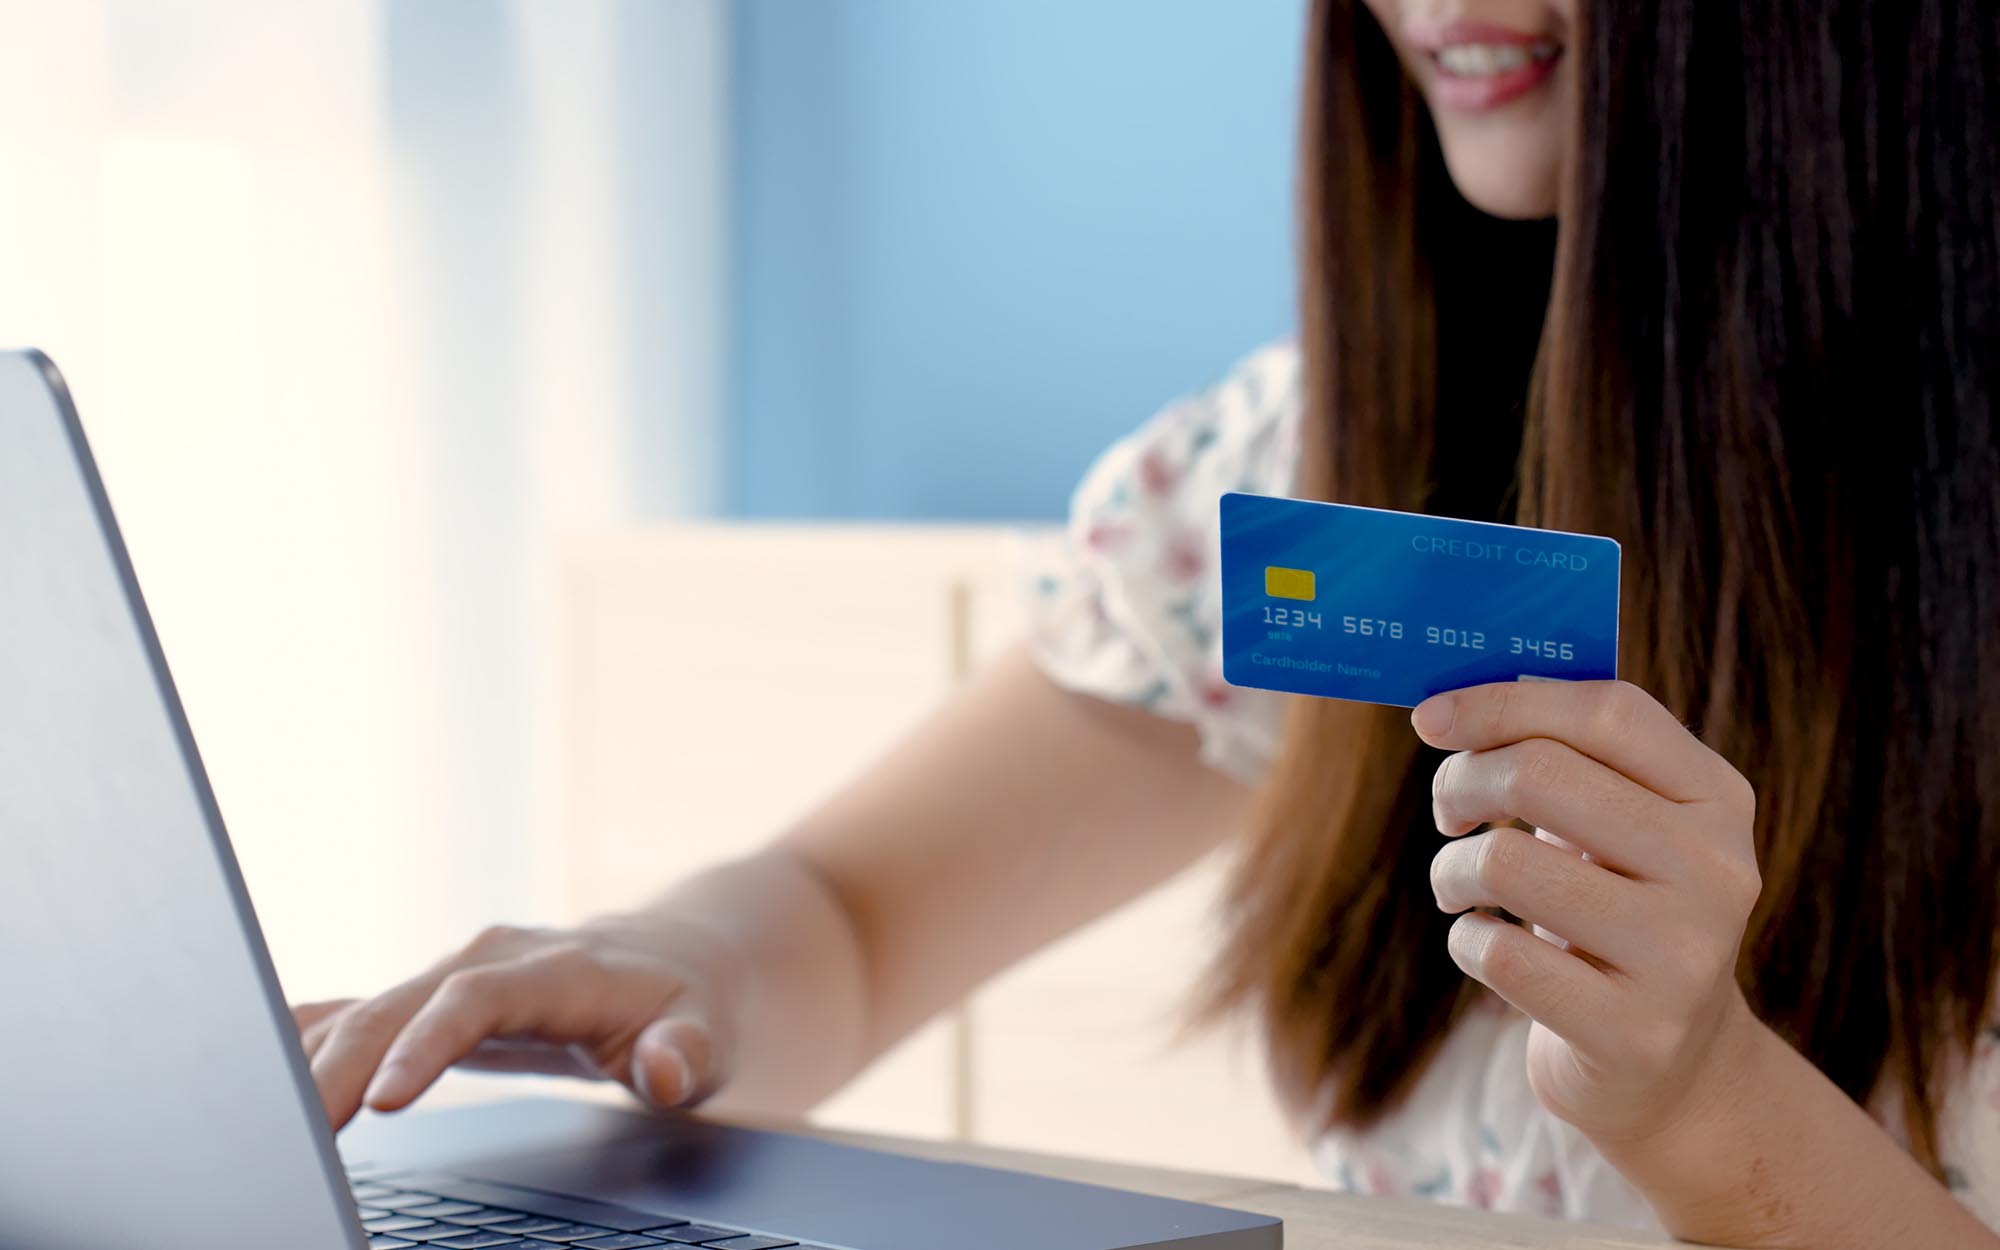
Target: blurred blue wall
{"points": [[975, 240]]}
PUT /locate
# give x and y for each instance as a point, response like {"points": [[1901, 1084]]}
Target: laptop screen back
{"points": [[150, 1091]]}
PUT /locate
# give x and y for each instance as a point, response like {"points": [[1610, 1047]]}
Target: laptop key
{"points": [[700, 1234], [395, 1222], [477, 1239], [574, 1232], [363, 1193], [620, 1241], [604, 1215], [486, 1218], [400, 1202], [751, 1243], [526, 1225], [386, 1242], [372, 1213], [443, 1210]]}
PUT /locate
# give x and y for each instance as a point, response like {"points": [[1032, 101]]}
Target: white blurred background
{"points": [[292, 259], [445, 357]]}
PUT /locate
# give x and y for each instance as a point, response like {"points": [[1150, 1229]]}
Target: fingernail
{"points": [[1434, 716], [679, 1078], [386, 1083], [682, 1080]]}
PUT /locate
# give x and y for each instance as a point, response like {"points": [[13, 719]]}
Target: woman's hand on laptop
{"points": [[609, 1001], [1020, 811]]}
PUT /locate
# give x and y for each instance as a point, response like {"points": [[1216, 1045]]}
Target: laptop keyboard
{"points": [[406, 1211]]}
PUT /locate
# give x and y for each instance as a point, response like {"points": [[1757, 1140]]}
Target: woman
{"points": [[1721, 281]]}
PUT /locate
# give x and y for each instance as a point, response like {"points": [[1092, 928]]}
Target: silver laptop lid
{"points": [[151, 1090]]}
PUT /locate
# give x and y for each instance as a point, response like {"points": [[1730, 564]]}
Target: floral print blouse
{"points": [[1127, 607]]}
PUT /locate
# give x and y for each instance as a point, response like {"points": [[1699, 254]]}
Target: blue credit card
{"points": [[1393, 607]]}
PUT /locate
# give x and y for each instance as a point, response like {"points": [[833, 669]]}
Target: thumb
{"points": [[674, 1062]]}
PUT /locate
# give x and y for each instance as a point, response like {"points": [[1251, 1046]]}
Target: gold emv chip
{"points": [[1288, 583]]}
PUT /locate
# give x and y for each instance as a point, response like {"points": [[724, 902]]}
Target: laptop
{"points": [[152, 1089]]}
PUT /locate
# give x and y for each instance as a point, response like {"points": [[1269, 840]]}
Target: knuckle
{"points": [[1538, 769], [1502, 857], [1618, 710], [1733, 879], [1741, 796], [1504, 962], [1744, 883], [467, 986], [370, 1017], [568, 956], [496, 939], [1545, 762]]}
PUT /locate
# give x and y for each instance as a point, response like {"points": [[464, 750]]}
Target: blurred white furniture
{"points": [[720, 679]]}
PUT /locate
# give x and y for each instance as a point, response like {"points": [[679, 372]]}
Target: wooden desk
{"points": [[1314, 1219]]}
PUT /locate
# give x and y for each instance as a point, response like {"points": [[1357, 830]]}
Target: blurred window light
{"points": [[275, 293]]}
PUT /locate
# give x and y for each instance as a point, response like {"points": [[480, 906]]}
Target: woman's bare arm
{"points": [[1012, 816]]}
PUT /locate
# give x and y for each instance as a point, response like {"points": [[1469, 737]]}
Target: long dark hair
{"points": [[1761, 351]]}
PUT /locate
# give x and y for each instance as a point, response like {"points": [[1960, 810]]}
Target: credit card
{"points": [[1392, 607]]}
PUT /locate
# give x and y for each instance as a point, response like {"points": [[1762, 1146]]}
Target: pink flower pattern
{"points": [[1482, 1188], [1128, 605], [1549, 1186], [1186, 557]]}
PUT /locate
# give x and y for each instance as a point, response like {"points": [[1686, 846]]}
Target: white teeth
{"points": [[1484, 60]]}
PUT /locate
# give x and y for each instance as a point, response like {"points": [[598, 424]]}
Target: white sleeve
{"points": [[1127, 606]]}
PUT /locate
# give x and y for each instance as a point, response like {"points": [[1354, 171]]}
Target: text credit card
{"points": [[1393, 607]]}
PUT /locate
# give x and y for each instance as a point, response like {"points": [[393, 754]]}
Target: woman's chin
{"points": [[1519, 183]]}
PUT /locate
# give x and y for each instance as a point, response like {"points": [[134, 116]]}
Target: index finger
{"points": [[346, 1058], [1613, 722]]}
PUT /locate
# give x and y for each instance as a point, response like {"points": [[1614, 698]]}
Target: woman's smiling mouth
{"points": [[1480, 65]]}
